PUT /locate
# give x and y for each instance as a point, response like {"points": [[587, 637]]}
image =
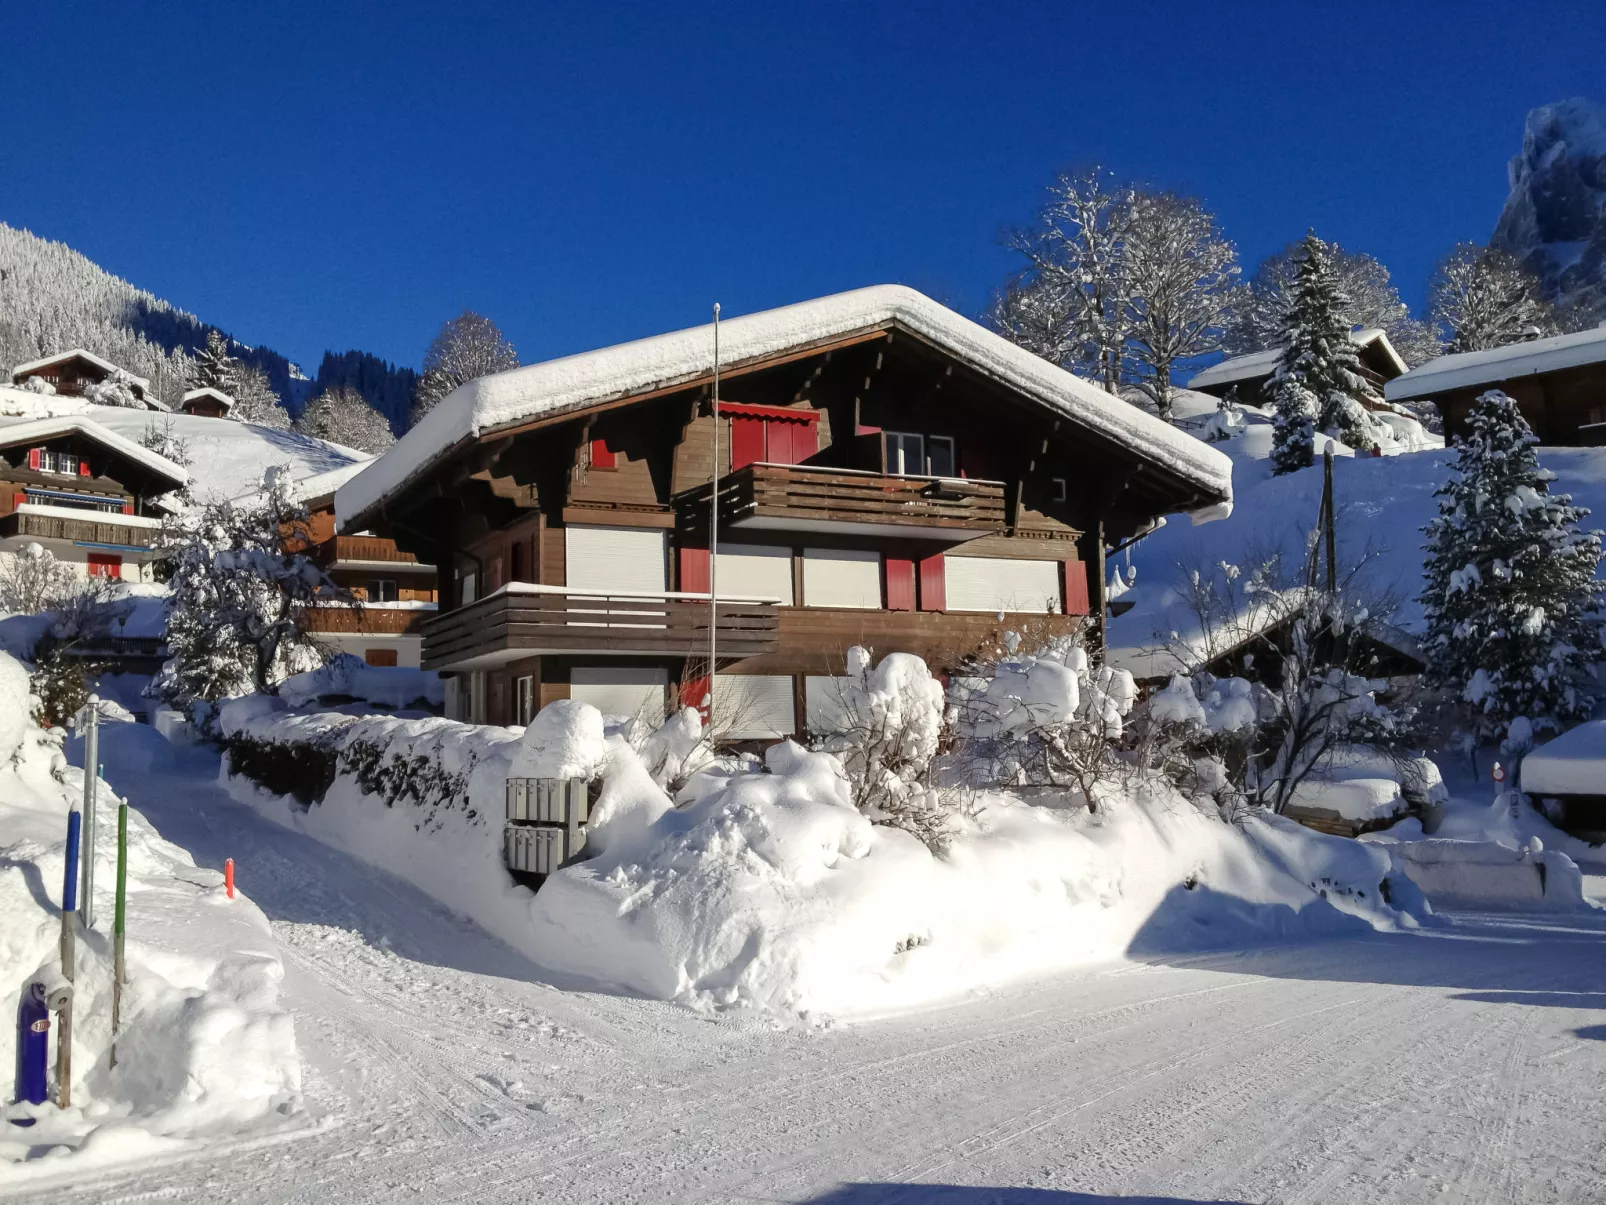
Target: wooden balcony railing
{"points": [[366, 548], [522, 620], [805, 498], [83, 526], [368, 621]]}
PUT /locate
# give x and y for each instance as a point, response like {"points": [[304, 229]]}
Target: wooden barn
{"points": [[891, 475], [1559, 384]]}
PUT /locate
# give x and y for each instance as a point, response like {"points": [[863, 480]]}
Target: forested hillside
{"points": [[52, 298], [387, 387]]}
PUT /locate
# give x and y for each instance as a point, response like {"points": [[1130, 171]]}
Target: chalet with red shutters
{"points": [[70, 373], [890, 475], [91, 497]]}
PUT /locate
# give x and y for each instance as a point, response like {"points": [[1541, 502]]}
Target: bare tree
{"points": [[1481, 297], [1181, 274], [1373, 302], [1073, 291], [343, 416], [468, 346], [255, 401]]}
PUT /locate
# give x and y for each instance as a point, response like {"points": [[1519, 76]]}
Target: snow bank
{"points": [[1484, 873], [205, 1048], [768, 889], [347, 675]]}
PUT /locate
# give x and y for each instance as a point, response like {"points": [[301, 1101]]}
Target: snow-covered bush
{"points": [[1511, 596], [242, 584], [40, 386], [116, 390]]}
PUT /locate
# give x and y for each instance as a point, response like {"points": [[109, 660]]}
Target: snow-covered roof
{"points": [[685, 356], [318, 485], [14, 433], [1257, 364], [206, 391], [1499, 364], [21, 372]]}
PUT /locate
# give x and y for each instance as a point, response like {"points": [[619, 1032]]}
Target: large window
{"points": [[912, 455]]}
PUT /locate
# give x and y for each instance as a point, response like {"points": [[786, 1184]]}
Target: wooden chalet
{"points": [[1247, 377], [891, 475], [90, 496], [206, 402], [71, 372], [1559, 384]]}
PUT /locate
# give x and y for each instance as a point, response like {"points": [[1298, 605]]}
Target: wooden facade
{"points": [[71, 372], [1566, 407], [874, 490], [1248, 378]]}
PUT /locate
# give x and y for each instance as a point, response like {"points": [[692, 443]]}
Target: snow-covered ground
{"points": [[1452, 1064]]}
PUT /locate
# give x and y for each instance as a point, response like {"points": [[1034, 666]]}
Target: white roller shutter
{"points": [[753, 706], [824, 706], [755, 571], [627, 691], [988, 583], [834, 577], [615, 560]]}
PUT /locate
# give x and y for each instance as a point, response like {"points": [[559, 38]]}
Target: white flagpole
{"points": [[713, 534]]}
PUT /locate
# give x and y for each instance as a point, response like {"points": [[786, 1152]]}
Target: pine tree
{"points": [[214, 367], [1511, 583], [1317, 385]]}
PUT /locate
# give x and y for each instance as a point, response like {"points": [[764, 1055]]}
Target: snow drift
{"points": [[205, 1045], [765, 888]]}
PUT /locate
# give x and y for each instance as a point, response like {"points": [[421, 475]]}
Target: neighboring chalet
{"points": [[70, 372], [891, 475], [91, 497], [1247, 377], [206, 402], [395, 593], [1559, 384]]}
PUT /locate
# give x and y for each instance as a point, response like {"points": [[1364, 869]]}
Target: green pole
{"points": [[118, 918]]}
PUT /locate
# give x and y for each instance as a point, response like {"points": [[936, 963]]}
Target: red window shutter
{"points": [[1073, 576], [128, 508], [778, 442], [900, 583], [792, 441], [601, 456], [692, 693], [102, 565], [83, 468], [35, 456], [933, 584], [694, 570], [17, 500], [747, 441]]}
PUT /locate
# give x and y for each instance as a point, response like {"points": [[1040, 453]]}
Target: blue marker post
{"points": [[33, 1049], [69, 950]]}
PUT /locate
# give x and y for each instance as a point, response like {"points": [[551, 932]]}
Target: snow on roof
{"points": [[208, 391], [1499, 364], [681, 357], [318, 485], [1258, 364], [1572, 764], [26, 430], [22, 371]]}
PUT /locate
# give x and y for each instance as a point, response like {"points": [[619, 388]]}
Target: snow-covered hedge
{"points": [[205, 1047], [767, 888]]}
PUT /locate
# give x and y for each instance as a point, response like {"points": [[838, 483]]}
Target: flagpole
{"points": [[713, 535]]}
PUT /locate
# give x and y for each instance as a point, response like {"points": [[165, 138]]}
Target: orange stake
{"points": [[228, 876]]}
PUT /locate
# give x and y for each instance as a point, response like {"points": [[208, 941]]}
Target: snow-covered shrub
{"points": [[116, 390], [1511, 595], [32, 581], [60, 684], [242, 584], [345, 676], [40, 386]]}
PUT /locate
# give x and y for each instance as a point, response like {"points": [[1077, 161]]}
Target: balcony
{"points": [[370, 619], [522, 620], [368, 552], [787, 497], [38, 521]]}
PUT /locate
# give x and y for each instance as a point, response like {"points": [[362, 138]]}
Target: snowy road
{"points": [[1459, 1066]]}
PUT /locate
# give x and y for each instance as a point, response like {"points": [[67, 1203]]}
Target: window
{"points": [[524, 700], [379, 656], [465, 587], [841, 577], [911, 455], [47, 461], [102, 565], [380, 589], [1060, 490]]}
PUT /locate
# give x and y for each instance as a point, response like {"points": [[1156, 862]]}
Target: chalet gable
{"points": [[75, 452], [1180, 472], [70, 371]]}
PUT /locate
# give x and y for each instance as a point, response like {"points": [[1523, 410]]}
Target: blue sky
{"points": [[335, 175]]}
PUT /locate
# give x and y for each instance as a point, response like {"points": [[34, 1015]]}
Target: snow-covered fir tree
{"points": [[468, 346], [1481, 297], [214, 367], [1317, 385], [1511, 595], [241, 583], [115, 390], [343, 416], [254, 399]]}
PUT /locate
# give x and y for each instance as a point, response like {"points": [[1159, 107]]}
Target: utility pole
{"points": [[91, 731], [1327, 519], [713, 535]]}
